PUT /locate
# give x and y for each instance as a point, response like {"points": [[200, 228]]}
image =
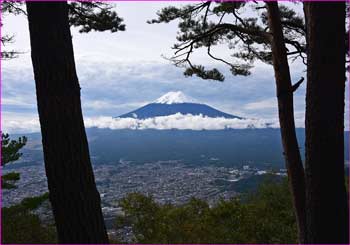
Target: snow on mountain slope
{"points": [[173, 103], [176, 97]]}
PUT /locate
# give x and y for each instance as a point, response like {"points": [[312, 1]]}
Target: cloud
{"points": [[17, 101], [26, 123], [12, 122], [107, 104], [125, 70], [263, 104], [178, 121]]}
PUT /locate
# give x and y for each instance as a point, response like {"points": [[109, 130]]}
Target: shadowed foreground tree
{"points": [[72, 189], [285, 91], [272, 36], [327, 203]]}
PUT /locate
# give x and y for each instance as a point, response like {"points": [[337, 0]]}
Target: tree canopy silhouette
{"points": [[248, 38], [275, 34], [271, 34], [75, 200]]}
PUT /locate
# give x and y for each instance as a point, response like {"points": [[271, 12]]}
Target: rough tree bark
{"points": [[73, 194], [284, 91], [327, 204]]}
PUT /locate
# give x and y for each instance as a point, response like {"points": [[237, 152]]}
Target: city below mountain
{"points": [[176, 102]]}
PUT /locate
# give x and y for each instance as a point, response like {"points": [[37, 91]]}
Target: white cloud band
{"points": [[178, 121]]}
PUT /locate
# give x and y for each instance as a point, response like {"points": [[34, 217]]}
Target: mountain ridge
{"points": [[176, 102], [157, 110]]}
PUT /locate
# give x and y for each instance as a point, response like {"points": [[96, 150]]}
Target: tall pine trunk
{"points": [[286, 116], [327, 205], [73, 194]]}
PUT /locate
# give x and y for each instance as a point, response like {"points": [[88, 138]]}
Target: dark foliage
{"points": [[7, 180], [9, 7], [204, 25], [10, 148], [20, 225], [265, 216], [88, 16], [94, 16], [10, 153]]}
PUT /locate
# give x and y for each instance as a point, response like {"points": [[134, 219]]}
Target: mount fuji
{"points": [[176, 102]]}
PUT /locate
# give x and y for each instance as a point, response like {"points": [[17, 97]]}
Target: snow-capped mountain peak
{"points": [[174, 97], [173, 103]]}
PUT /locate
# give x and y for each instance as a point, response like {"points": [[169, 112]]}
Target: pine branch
{"points": [[297, 84]]}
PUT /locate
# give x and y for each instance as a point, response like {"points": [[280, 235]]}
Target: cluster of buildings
{"points": [[166, 181]]}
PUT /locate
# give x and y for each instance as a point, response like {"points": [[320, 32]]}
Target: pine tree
{"points": [[273, 36], [10, 153], [73, 194], [10, 148], [327, 200]]}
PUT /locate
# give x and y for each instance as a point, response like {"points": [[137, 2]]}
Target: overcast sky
{"points": [[122, 71]]}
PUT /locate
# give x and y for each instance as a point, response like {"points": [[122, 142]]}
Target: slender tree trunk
{"points": [[327, 205], [73, 194], [286, 116]]}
